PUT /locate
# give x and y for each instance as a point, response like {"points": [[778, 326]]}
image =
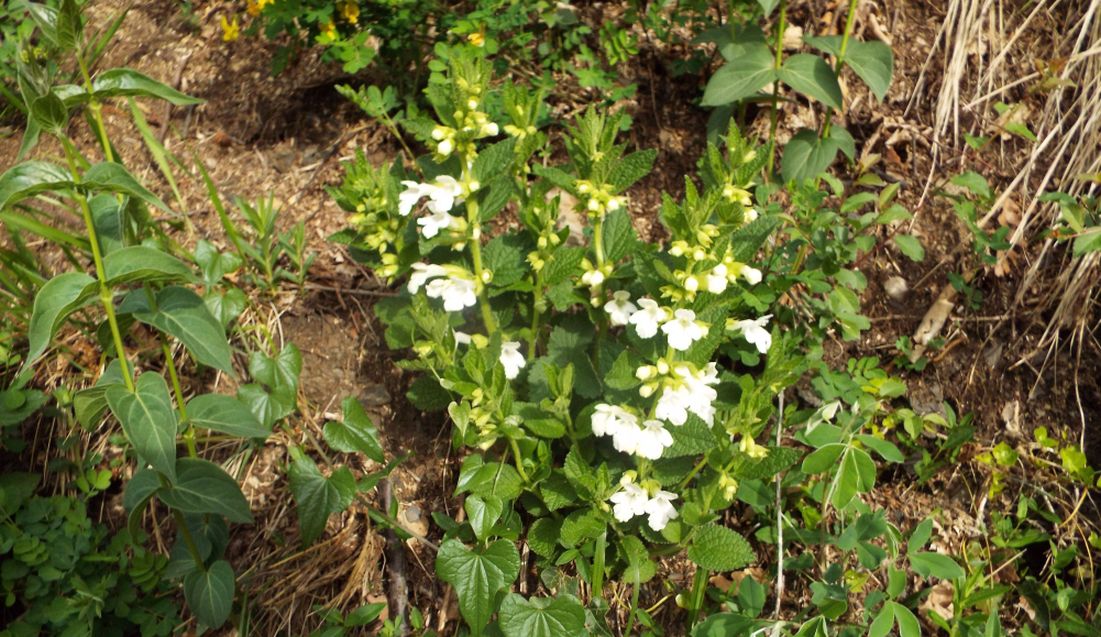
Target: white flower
{"points": [[620, 308], [751, 215], [626, 437], [716, 279], [647, 319], [755, 333], [653, 440], [592, 278], [673, 405], [422, 272], [442, 194], [751, 275], [445, 147], [435, 222], [683, 330], [660, 509], [607, 419], [511, 359], [457, 293], [461, 338], [631, 501], [689, 392]]}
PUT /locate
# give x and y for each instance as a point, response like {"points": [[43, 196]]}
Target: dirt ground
{"points": [[287, 135]]}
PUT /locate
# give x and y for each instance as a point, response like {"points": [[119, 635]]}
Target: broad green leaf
{"points": [[822, 459], [872, 62], [355, 434], [493, 161], [690, 439], [49, 112], [148, 420], [741, 78], [29, 178], [505, 259], [69, 27], [16, 405], [725, 625], [183, 314], [225, 414], [840, 137], [543, 537], [203, 487], [119, 82], [929, 564], [883, 622], [147, 265], [908, 625], [140, 488], [640, 568], [318, 497], [478, 575], [267, 406], [920, 536], [483, 513], [768, 6], [491, 478], [114, 177], [619, 235], [806, 156], [15, 489], [562, 616], [279, 372], [885, 449], [717, 548], [631, 168], [209, 593], [911, 246], [581, 525], [58, 298], [812, 76], [89, 404], [777, 460], [856, 474]]}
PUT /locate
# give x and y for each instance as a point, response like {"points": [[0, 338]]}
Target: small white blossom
{"points": [[751, 215], [461, 338], [653, 440], [511, 359], [422, 272], [607, 419], [620, 308], [647, 319], [631, 501], [660, 509], [442, 194], [627, 437], [435, 222], [592, 278], [683, 330], [755, 333], [751, 275], [457, 293], [717, 279]]}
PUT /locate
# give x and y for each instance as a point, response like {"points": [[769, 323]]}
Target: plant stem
{"points": [[519, 461], [189, 541], [473, 219], [849, 19], [177, 389], [774, 113], [699, 586], [598, 291]]}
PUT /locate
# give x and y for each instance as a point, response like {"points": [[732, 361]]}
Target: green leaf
{"points": [[561, 616], [89, 404], [318, 497], [543, 537], [225, 414], [806, 156], [856, 474], [725, 625], [631, 168], [147, 265], [883, 621], [640, 568], [50, 113], [478, 575], [812, 76], [929, 564], [505, 259], [356, 433], [427, 394], [204, 487], [120, 82], [768, 6], [717, 548], [279, 372], [493, 161], [182, 314], [840, 137], [748, 239], [267, 406], [148, 420], [909, 245], [874, 63], [619, 235], [690, 439], [885, 449], [908, 625], [29, 178], [69, 25], [140, 488], [209, 593], [58, 298], [115, 178], [491, 478], [581, 525], [741, 78], [483, 513], [777, 460]]}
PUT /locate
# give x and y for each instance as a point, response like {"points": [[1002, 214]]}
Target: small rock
{"points": [[896, 287], [375, 395]]}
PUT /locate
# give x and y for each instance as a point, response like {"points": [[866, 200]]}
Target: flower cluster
{"points": [[643, 499]]}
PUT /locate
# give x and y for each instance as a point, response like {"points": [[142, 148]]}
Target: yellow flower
{"points": [[328, 31], [230, 30], [350, 11], [477, 39]]}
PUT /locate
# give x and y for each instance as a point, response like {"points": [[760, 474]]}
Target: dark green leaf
{"points": [[725, 625], [640, 568], [115, 178], [182, 314], [31, 177], [911, 246], [491, 478], [203, 487], [505, 259], [147, 265], [356, 433], [119, 82], [619, 235], [209, 593], [494, 161], [225, 414], [874, 63], [58, 298], [318, 497], [717, 548], [483, 513], [479, 576], [267, 406], [812, 76], [741, 78], [632, 168], [279, 372], [562, 616], [148, 420], [690, 439], [543, 536], [50, 113], [806, 156]]}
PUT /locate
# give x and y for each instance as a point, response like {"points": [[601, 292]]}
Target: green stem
{"points": [[598, 291], [177, 389], [519, 461], [849, 19], [189, 541], [634, 605], [533, 337], [473, 219], [692, 474], [699, 587], [774, 114]]}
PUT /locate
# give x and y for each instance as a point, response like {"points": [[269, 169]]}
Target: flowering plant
{"points": [[601, 382]]}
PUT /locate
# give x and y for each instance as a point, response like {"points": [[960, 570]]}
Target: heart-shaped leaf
{"points": [[148, 420], [318, 497], [209, 593], [183, 314], [355, 434], [562, 616], [203, 487], [478, 575]]}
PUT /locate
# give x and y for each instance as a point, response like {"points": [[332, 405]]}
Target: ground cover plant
{"points": [[574, 373]]}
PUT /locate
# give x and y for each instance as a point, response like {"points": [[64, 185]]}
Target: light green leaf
{"points": [[717, 548], [883, 621], [855, 475], [356, 434], [29, 178], [874, 63], [279, 372], [812, 76], [929, 564], [145, 264], [209, 593], [885, 449], [49, 112], [640, 568], [115, 178], [725, 625], [204, 487], [148, 420], [768, 6], [182, 314], [822, 459], [483, 513], [226, 414], [479, 576], [491, 478], [58, 298], [909, 245], [318, 497], [806, 156], [908, 625], [563, 616], [119, 82], [742, 77], [619, 235]]}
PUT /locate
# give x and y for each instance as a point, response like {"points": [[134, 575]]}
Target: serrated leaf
{"points": [[479, 576], [911, 246], [204, 487], [147, 265], [717, 548], [183, 314], [562, 616], [426, 394], [209, 593], [581, 525], [148, 420], [356, 433], [748, 239], [812, 76], [119, 82], [543, 537], [318, 497], [505, 259], [557, 491], [29, 178], [632, 168], [619, 235], [741, 78], [777, 460], [226, 414], [640, 568], [690, 439], [58, 298], [565, 262]]}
